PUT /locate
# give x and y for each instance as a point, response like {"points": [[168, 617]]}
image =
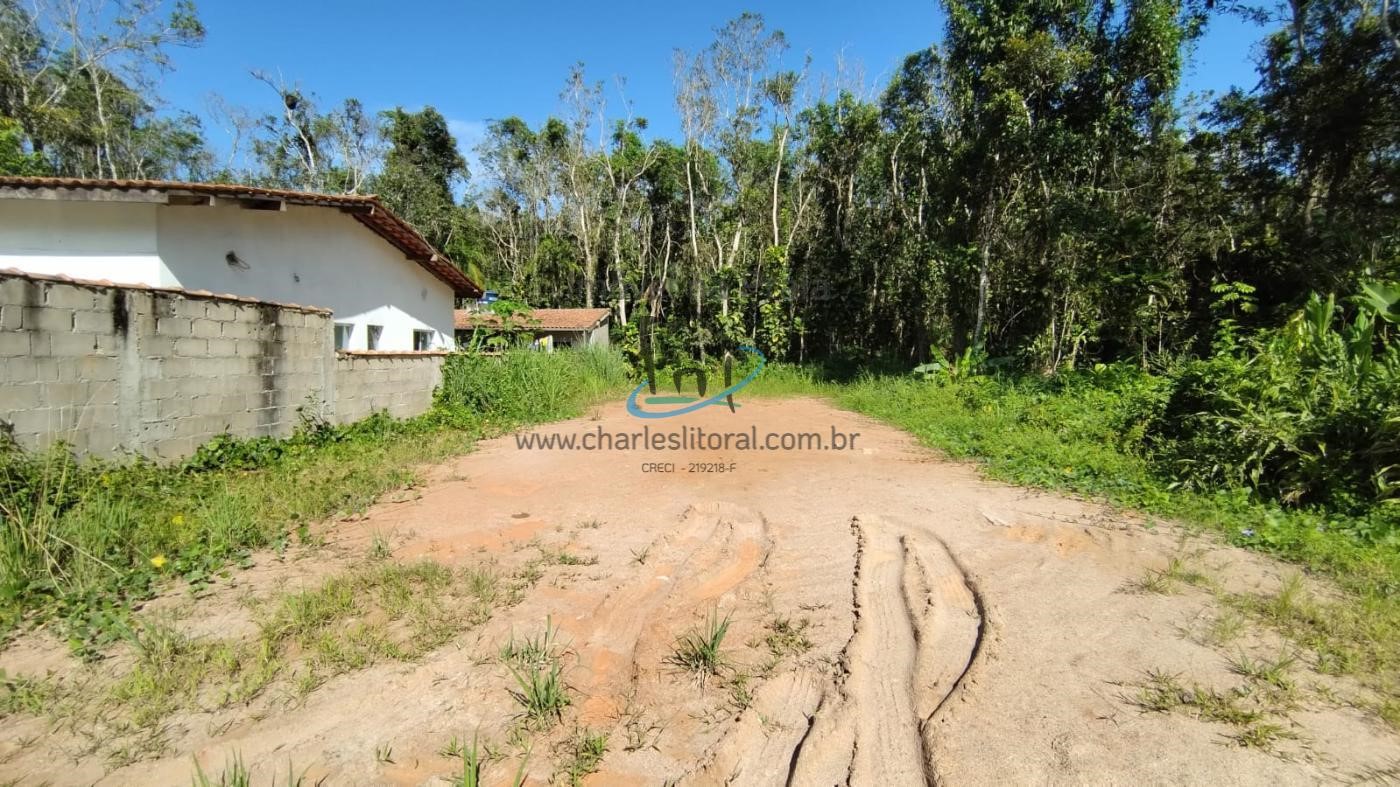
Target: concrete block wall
{"points": [[113, 369], [129, 369], [401, 383]]}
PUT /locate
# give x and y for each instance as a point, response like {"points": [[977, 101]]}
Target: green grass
{"points": [[787, 637], [585, 753], [541, 693], [82, 541], [698, 650], [1087, 437], [1258, 710], [540, 650], [379, 611]]}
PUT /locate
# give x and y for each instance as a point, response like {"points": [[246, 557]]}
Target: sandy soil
{"points": [[962, 631]]}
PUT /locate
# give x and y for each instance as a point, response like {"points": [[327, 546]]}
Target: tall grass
{"points": [[1088, 433], [523, 387], [85, 538]]}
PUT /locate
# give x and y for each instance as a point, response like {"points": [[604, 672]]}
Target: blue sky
{"points": [[476, 61]]}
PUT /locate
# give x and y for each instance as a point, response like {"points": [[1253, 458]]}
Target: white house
{"points": [[386, 286]]}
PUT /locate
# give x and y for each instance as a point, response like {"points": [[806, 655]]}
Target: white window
{"points": [[422, 340], [342, 335], [375, 331]]}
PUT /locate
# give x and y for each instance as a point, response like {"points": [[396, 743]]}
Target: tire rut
{"points": [[918, 630], [716, 549]]}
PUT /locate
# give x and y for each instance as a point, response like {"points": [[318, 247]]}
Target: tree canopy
{"points": [[1034, 189]]}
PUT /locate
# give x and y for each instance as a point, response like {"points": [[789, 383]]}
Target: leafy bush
{"points": [[1308, 414]]}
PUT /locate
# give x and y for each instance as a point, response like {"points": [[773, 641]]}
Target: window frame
{"points": [[374, 334], [349, 335], [427, 340]]}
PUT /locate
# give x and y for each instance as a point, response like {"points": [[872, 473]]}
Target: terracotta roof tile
{"points": [[537, 319]]}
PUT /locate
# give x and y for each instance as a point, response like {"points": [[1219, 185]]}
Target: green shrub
{"points": [[1308, 414]]}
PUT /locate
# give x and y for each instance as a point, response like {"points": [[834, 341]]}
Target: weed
{"points": [[740, 695], [483, 583], [786, 637], [541, 693], [236, 774], [384, 754], [639, 556], [563, 557], [471, 762], [1224, 629], [585, 753], [24, 694], [379, 547], [1262, 735], [1163, 692], [537, 651], [453, 749], [698, 650], [1168, 580], [1273, 672]]}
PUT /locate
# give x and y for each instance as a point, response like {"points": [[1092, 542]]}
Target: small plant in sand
{"points": [[698, 649], [585, 752], [236, 774], [379, 547], [787, 637], [538, 651], [471, 762], [1168, 580], [534, 664], [541, 693], [1251, 711], [1271, 672]]}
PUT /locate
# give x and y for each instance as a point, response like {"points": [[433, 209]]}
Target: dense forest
{"points": [[1034, 189]]}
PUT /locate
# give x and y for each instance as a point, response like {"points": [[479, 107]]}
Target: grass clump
{"points": [[787, 637], [535, 665], [537, 651], [1168, 580], [1258, 709], [698, 650], [236, 774], [541, 693], [585, 752]]}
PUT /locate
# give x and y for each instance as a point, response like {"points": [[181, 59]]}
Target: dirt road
{"points": [[894, 620]]}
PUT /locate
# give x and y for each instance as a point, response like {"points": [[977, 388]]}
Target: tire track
{"points": [[918, 628], [717, 548]]}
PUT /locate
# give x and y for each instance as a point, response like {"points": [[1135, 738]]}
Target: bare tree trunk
{"points": [[694, 238], [983, 284], [777, 172]]}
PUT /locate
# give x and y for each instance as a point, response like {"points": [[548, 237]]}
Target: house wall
{"points": [[114, 241], [599, 337], [121, 369], [304, 255], [308, 255]]}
